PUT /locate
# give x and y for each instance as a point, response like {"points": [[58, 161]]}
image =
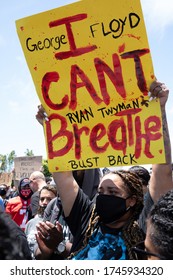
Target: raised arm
{"points": [[67, 188], [161, 177], [66, 185]]}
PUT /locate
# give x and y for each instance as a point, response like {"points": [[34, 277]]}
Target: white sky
{"points": [[19, 129]]}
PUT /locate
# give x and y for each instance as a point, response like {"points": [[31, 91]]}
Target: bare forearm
{"points": [[67, 189], [161, 178], [167, 143]]}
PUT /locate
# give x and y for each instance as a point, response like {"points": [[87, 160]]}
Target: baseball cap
{"points": [[24, 182]]}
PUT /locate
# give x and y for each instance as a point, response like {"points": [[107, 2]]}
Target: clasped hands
{"points": [[49, 236]]}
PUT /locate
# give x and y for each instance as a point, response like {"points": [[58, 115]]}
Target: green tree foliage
{"points": [[29, 153], [7, 161], [3, 163], [45, 168], [11, 157]]}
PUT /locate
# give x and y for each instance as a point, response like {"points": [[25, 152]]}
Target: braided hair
{"points": [[160, 231], [132, 234]]}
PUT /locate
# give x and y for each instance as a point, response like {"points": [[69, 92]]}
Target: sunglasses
{"points": [[143, 254]]}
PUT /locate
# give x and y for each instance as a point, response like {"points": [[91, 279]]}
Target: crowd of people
{"points": [[125, 214]]}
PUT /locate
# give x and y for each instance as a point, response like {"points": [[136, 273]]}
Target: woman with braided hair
{"points": [[110, 228], [107, 229], [113, 219]]}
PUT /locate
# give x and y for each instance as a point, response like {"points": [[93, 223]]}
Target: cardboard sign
{"points": [[6, 178], [24, 166], [92, 68]]}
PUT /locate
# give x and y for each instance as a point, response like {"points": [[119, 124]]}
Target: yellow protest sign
{"points": [[92, 67]]}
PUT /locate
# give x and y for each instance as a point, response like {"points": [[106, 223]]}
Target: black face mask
{"points": [[110, 207]]}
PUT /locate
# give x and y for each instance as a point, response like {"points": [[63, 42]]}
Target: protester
{"points": [[120, 191], [118, 204], [19, 207], [37, 182], [158, 243], [47, 193], [59, 233], [53, 213], [13, 242]]}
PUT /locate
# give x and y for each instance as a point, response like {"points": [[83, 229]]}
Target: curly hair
{"points": [[50, 188], [160, 219], [132, 234]]}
